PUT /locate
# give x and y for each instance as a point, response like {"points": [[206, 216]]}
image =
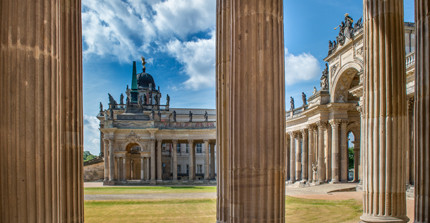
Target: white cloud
{"points": [[299, 68], [125, 29], [183, 17], [91, 134], [198, 58]]}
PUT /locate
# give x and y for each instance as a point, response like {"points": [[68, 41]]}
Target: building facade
{"points": [[145, 141], [319, 132]]}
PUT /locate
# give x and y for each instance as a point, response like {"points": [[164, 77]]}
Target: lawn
{"points": [[204, 210], [149, 190]]}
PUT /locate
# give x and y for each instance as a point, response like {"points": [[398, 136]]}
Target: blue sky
{"points": [[177, 39]]}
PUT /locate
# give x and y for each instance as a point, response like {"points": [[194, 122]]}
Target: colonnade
{"points": [[121, 165], [319, 153]]}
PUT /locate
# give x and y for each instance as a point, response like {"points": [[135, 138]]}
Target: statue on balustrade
{"points": [[101, 107], [174, 116], [324, 78], [121, 99], [167, 100], [304, 99], [190, 115], [292, 103], [206, 116]]}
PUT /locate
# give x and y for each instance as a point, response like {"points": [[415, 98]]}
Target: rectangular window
{"points": [[179, 169], [199, 148], [178, 148], [187, 148], [199, 168]]}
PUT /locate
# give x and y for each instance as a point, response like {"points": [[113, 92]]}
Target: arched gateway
{"points": [[335, 111]]}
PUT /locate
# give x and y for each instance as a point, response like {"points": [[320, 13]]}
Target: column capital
{"points": [[304, 132], [321, 124], [159, 141], [312, 126], [335, 122], [175, 141], [190, 141]]}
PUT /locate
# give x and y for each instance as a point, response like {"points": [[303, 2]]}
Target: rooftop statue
{"points": [[191, 116], [206, 116], [324, 78], [292, 103], [315, 91], [101, 107], [304, 99], [358, 25], [167, 100], [121, 99], [156, 99], [112, 100], [143, 64], [174, 116]]}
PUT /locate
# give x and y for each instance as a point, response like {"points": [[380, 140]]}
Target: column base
{"points": [[334, 182], [382, 219]]}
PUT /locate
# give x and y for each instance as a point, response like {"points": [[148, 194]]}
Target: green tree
{"points": [[351, 158], [88, 156]]}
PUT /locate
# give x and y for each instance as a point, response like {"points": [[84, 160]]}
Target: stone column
{"points": [[410, 157], [292, 157], [298, 157], [159, 161], [192, 173], [106, 159], [111, 161], [422, 112], [147, 177], [310, 153], [356, 160], [385, 112], [175, 160], [251, 32], [335, 150], [142, 168], [153, 161], [305, 155], [343, 151], [321, 161], [327, 152], [207, 160], [124, 168], [212, 165], [41, 121]]}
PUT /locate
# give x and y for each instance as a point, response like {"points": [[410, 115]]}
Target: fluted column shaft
{"points": [[153, 161], [298, 157], [206, 160], [356, 160], [223, 91], [422, 112], [255, 149], [142, 169], [343, 151], [192, 159], [385, 112], [111, 160], [106, 159], [41, 123], [159, 161], [292, 157], [212, 165], [327, 153], [305, 155], [175, 160], [335, 150], [311, 154], [321, 161]]}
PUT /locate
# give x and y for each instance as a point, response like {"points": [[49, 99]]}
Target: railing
{"points": [[185, 125], [410, 59]]}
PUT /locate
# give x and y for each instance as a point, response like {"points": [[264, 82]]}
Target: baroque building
{"points": [[145, 141], [318, 133]]}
